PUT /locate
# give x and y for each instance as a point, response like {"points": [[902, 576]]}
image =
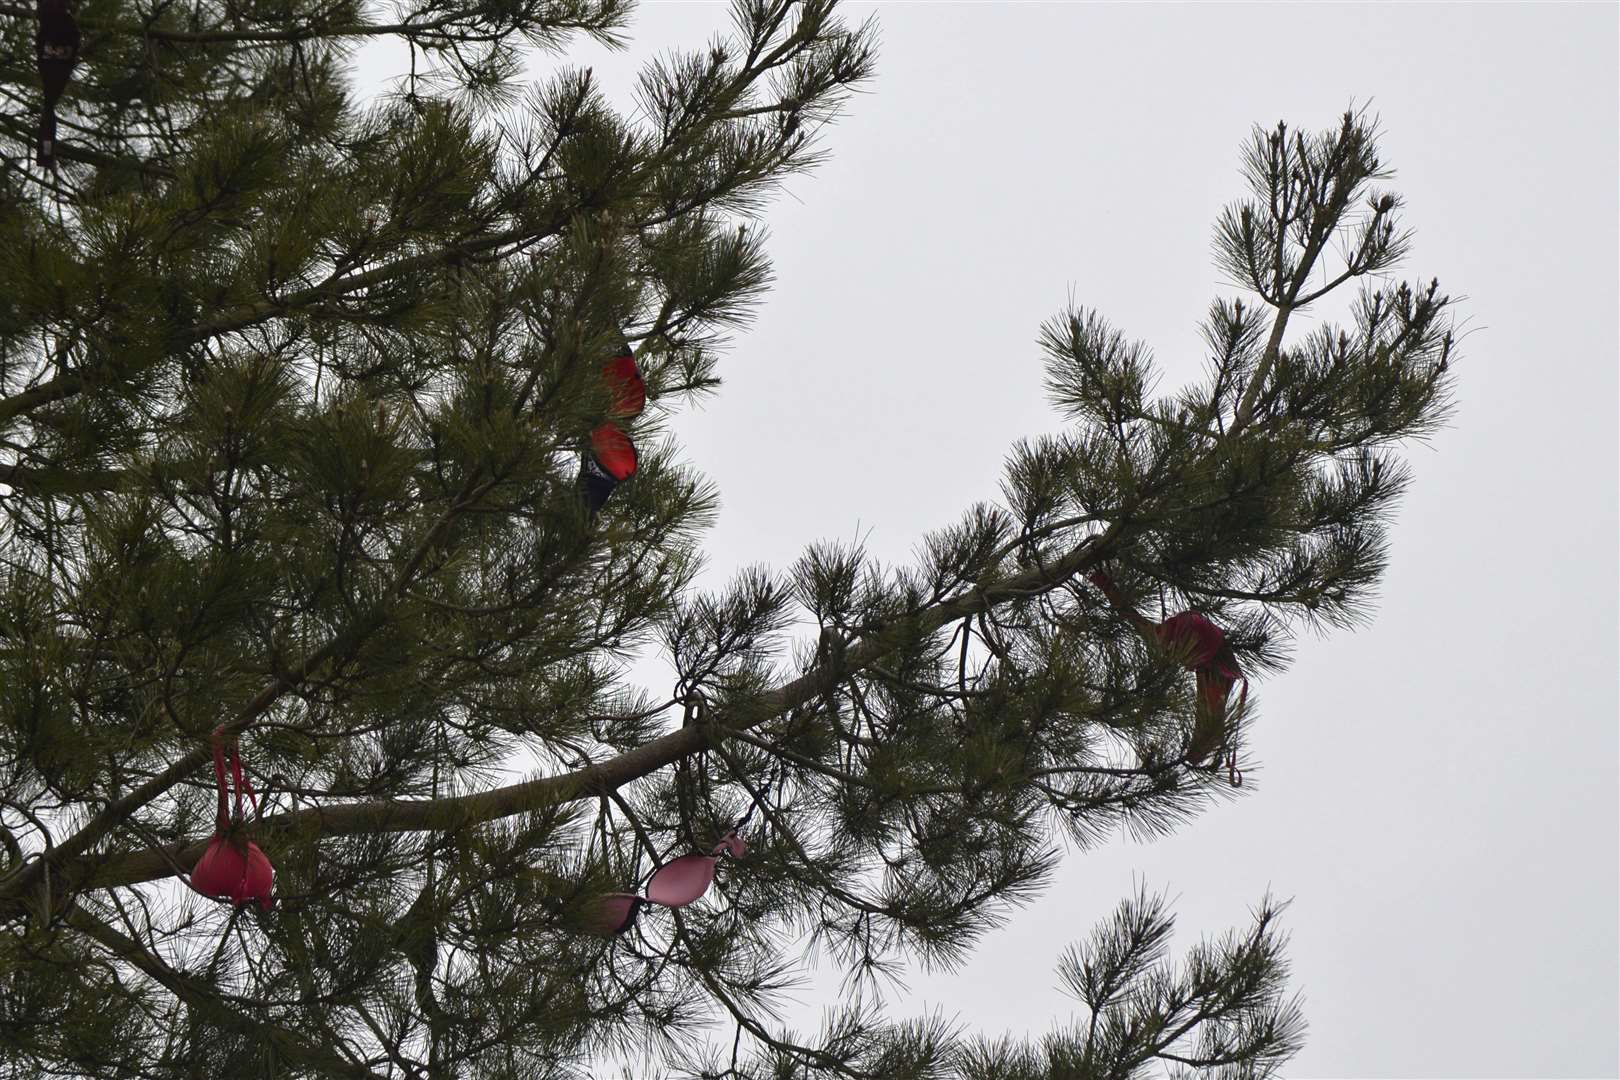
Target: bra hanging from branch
{"points": [[56, 47], [673, 885], [611, 457], [1208, 655], [232, 868], [678, 882]]}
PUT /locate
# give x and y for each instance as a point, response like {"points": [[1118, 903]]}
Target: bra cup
{"points": [[624, 382], [1193, 632], [614, 913], [614, 452], [221, 869], [681, 881], [257, 878]]}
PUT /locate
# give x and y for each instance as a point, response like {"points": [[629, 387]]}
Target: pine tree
{"points": [[296, 400]]}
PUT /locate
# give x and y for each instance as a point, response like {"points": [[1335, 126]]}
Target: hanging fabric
{"points": [[1215, 669], [610, 461], [232, 868], [1204, 650], [624, 382], [56, 48], [674, 885], [611, 458]]}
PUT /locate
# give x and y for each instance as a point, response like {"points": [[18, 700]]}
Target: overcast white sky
{"points": [[1439, 790]]}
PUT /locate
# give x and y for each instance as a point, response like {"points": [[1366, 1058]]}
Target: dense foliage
{"points": [[292, 401]]}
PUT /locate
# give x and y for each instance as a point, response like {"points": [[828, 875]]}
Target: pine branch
{"points": [[116, 811], [198, 995], [246, 315], [1325, 184], [70, 152], [676, 145], [315, 32], [449, 814], [43, 482]]}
